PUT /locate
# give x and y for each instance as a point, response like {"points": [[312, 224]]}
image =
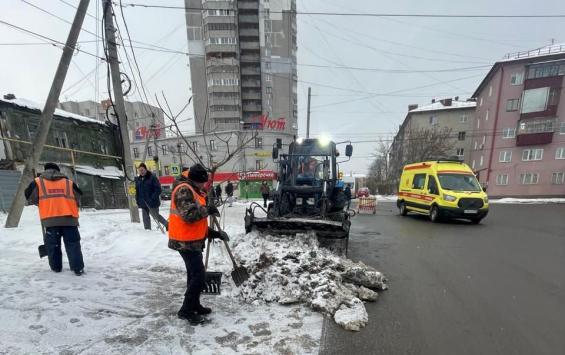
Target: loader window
{"points": [[419, 181]]}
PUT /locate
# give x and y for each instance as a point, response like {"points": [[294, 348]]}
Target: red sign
{"points": [[258, 175], [264, 122], [144, 132]]}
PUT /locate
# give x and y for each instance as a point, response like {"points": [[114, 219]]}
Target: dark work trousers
{"points": [[195, 279], [265, 199], [147, 218], [71, 238]]}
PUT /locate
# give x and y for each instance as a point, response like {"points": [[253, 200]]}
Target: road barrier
{"points": [[367, 205]]}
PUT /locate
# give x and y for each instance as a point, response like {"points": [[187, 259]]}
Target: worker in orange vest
{"points": [[58, 199], [188, 229]]}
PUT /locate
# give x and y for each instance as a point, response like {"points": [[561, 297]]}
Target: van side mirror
{"points": [[484, 189], [348, 150], [275, 153]]}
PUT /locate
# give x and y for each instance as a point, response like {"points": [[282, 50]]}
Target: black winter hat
{"points": [[52, 166], [198, 173]]}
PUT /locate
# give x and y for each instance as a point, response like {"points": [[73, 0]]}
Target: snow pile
{"points": [[32, 105], [292, 270], [510, 200]]}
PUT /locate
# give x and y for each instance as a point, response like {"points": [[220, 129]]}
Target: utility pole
{"points": [[119, 107], [46, 116], [308, 114]]}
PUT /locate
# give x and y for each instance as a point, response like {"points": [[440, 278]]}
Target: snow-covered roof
{"points": [[438, 105], [109, 172], [32, 105], [538, 52]]}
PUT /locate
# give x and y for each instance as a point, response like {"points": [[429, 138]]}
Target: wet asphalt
{"points": [[458, 288]]}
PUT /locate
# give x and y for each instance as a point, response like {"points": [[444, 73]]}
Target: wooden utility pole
{"points": [[47, 116], [308, 114], [119, 105]]}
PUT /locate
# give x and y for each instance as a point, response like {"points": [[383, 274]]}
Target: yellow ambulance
{"points": [[442, 189]]}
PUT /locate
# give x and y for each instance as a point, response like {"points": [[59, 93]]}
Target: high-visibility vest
{"points": [[56, 198], [181, 230]]}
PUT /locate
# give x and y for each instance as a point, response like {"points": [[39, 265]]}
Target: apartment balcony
{"points": [[221, 48], [217, 4], [534, 138], [250, 58], [224, 101], [220, 88], [250, 71], [251, 84], [218, 19], [212, 62], [550, 111], [251, 95], [550, 81], [248, 19], [248, 5], [249, 32], [249, 45], [225, 114]]}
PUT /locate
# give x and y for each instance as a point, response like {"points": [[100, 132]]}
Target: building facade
{"points": [[243, 68], [85, 149], [519, 140], [446, 114]]}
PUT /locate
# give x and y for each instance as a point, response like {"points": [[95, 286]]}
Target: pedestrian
{"points": [[265, 192], [229, 192], [58, 201], [219, 194], [188, 231], [148, 196], [347, 192]]}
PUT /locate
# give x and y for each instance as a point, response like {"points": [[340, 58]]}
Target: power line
{"points": [[358, 14]]}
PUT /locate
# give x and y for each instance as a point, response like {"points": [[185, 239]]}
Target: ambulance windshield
{"points": [[459, 182]]}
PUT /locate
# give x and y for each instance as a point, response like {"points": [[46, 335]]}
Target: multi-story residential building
{"points": [[243, 68], [519, 130], [445, 115], [141, 116]]}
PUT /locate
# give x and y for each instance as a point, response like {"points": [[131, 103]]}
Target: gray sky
{"points": [[347, 104]]}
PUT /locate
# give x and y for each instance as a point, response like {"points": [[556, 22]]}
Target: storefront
{"points": [[250, 183]]}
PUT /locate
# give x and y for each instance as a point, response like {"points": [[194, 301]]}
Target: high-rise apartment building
{"points": [[243, 68]]}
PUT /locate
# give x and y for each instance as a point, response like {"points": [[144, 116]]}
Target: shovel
{"points": [[42, 249], [239, 274], [213, 278]]}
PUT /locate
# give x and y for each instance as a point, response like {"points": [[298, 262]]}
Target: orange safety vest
{"points": [[181, 230], [56, 198]]}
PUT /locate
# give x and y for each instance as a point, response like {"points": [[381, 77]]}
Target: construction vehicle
{"points": [[308, 196]]}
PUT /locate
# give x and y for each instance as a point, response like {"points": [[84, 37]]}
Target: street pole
{"points": [[308, 114], [119, 104], [46, 117]]}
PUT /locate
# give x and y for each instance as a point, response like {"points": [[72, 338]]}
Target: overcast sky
{"points": [[347, 104]]}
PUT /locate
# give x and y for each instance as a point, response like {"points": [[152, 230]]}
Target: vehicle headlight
{"points": [[485, 199], [299, 201], [311, 201], [449, 198]]}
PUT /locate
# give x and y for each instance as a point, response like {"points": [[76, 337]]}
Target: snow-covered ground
{"points": [[128, 298], [528, 200]]}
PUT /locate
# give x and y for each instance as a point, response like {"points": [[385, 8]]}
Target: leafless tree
{"points": [[378, 179]]}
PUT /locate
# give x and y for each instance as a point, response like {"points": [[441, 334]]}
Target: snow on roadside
{"points": [[128, 298], [510, 200]]}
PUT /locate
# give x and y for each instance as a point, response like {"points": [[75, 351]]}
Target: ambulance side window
{"points": [[432, 185], [419, 181]]}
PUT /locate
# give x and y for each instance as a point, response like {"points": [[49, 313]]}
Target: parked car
{"points": [[363, 192], [442, 188]]}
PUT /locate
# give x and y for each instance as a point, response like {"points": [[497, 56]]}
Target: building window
{"points": [[560, 153], [463, 118], [87, 112], [476, 144], [562, 128], [259, 142], [269, 90], [532, 154], [546, 70], [505, 156], [195, 146], [258, 164], [481, 161], [222, 40], [517, 78], [213, 145], [478, 123], [164, 149], [535, 100], [529, 178], [180, 148], [481, 102], [150, 151], [433, 120], [490, 91], [135, 153], [486, 116], [512, 105], [502, 179], [558, 178], [508, 133], [460, 152], [473, 164], [61, 139], [103, 148], [461, 136], [484, 141]]}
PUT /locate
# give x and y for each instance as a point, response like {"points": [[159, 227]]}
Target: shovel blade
{"points": [[213, 283], [239, 275]]}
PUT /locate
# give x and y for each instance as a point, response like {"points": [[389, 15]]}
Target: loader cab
{"points": [[311, 162]]}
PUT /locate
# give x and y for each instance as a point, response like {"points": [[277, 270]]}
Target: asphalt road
{"points": [[458, 288]]}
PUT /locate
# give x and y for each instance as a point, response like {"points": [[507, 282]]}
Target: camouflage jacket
{"points": [[190, 212]]}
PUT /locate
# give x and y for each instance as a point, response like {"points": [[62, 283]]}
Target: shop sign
{"points": [[258, 175]]}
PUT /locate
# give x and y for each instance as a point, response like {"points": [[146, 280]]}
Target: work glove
{"points": [[214, 234], [213, 211]]}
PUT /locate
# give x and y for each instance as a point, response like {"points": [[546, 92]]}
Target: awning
{"points": [[107, 172]]}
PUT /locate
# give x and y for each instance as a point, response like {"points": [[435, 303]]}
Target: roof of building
{"points": [[35, 106], [439, 106], [553, 51]]}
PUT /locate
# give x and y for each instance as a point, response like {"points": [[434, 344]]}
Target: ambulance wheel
{"points": [[434, 214], [403, 210]]}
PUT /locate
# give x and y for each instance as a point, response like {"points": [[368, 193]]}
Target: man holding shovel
{"points": [[188, 229]]}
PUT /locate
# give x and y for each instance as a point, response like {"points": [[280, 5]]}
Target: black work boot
{"points": [[203, 310], [191, 316]]}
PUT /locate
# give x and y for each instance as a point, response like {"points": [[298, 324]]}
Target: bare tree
{"points": [[378, 179]]}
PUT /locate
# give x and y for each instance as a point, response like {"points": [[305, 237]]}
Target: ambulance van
{"points": [[442, 189]]}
